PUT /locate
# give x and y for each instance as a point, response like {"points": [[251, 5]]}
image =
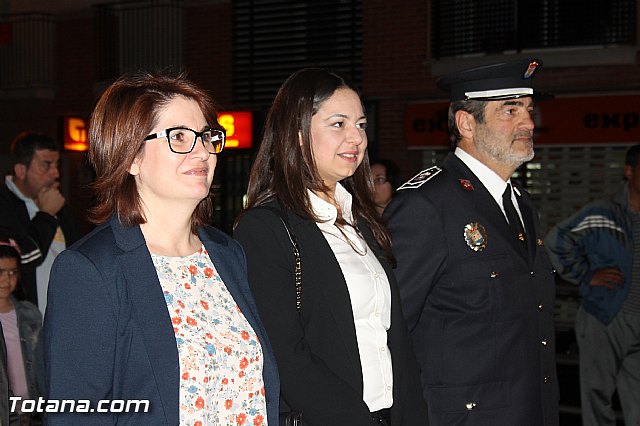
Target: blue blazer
{"points": [[107, 330]]}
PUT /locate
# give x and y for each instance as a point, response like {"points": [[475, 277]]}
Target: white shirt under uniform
{"points": [[494, 183], [370, 295]]}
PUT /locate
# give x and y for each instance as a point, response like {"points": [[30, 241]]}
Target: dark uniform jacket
{"points": [[480, 314], [34, 236], [316, 349]]}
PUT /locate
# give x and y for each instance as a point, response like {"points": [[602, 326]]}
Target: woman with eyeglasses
{"points": [[333, 314], [21, 323], [154, 305], [385, 181]]}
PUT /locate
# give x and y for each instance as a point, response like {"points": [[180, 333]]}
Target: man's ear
{"points": [[628, 172], [465, 123], [20, 171]]}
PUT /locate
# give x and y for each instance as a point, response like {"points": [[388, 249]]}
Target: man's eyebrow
{"points": [[515, 102]]}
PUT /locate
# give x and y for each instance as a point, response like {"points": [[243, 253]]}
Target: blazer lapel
{"points": [[150, 312], [231, 274], [314, 245]]}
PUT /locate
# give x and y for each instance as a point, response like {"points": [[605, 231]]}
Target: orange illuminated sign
{"points": [[75, 134], [575, 120], [239, 128]]}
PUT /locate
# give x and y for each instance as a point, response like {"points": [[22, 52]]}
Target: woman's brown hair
{"points": [[284, 168], [124, 115]]}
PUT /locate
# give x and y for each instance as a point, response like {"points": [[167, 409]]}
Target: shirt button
{"points": [[378, 314], [388, 388], [376, 275], [532, 273], [382, 349]]}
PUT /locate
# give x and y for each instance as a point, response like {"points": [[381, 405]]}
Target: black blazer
{"points": [[34, 236], [316, 349], [481, 321]]}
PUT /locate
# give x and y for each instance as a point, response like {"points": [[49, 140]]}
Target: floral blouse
{"points": [[220, 357]]}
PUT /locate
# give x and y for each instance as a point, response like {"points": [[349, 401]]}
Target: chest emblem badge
{"points": [[475, 236]]}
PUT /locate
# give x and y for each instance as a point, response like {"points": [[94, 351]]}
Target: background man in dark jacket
{"points": [[32, 211], [477, 286]]}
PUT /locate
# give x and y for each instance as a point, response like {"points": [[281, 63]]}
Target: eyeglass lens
{"points": [[183, 141]]}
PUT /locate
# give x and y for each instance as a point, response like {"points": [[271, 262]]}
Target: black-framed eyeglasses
{"points": [[182, 140]]}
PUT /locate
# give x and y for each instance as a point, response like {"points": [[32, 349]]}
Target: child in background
{"points": [[21, 324]]}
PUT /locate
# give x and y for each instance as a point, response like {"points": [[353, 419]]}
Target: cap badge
{"points": [[466, 184], [540, 242], [475, 236], [531, 69]]}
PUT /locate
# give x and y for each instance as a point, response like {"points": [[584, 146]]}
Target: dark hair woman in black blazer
{"points": [[344, 356]]}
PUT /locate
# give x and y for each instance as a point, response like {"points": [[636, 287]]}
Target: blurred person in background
{"points": [[598, 249], [21, 324], [33, 212], [386, 178]]}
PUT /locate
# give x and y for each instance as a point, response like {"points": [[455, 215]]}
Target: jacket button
{"points": [[540, 307], [546, 379], [470, 405], [494, 274], [544, 342]]}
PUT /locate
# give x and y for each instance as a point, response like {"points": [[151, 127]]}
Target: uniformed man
{"points": [[477, 286]]}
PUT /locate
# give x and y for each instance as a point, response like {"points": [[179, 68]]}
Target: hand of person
{"points": [[607, 277], [50, 200]]}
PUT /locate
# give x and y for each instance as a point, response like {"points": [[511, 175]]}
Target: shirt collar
{"points": [[494, 183], [326, 211]]}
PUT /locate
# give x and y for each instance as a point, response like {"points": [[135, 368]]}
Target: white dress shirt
{"points": [[494, 183], [370, 295]]}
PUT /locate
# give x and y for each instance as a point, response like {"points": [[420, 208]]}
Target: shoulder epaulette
{"points": [[418, 180]]}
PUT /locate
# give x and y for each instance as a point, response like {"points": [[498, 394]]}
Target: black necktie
{"points": [[512, 215]]}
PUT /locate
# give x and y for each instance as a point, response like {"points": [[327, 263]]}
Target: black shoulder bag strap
{"points": [[296, 253], [291, 418]]}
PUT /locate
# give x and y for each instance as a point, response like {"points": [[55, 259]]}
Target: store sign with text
{"points": [[239, 128], [75, 134], [575, 120]]}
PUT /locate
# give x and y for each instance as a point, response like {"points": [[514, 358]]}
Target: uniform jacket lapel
{"points": [[483, 202], [527, 210]]}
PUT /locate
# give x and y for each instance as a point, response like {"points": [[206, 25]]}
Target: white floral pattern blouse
{"points": [[220, 357]]}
